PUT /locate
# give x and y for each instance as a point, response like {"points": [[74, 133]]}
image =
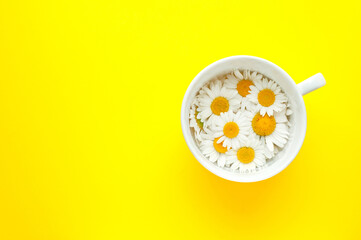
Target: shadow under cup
{"points": [[297, 119]]}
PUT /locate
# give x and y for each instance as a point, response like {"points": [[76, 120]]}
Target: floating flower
{"points": [[214, 100], [213, 150], [273, 129], [242, 82], [267, 96], [231, 129], [247, 157]]}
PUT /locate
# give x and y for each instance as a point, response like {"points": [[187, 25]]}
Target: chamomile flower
{"points": [[194, 122], [267, 96], [272, 129], [231, 129], [242, 82], [268, 153], [213, 150], [214, 100], [247, 157]]}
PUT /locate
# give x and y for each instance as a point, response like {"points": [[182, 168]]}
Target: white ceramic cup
{"points": [[298, 118]]}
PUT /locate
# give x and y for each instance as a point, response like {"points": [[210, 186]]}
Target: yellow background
{"points": [[90, 139]]}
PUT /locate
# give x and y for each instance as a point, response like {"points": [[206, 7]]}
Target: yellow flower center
{"points": [[199, 122], [231, 129], [243, 87], [218, 146], [263, 126], [266, 97], [245, 155], [219, 104]]}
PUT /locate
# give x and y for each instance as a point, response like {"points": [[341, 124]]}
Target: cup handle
{"points": [[311, 84]]}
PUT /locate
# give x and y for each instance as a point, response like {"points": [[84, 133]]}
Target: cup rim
{"points": [[222, 172]]}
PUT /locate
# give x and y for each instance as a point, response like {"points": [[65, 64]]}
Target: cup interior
{"points": [[297, 120]]}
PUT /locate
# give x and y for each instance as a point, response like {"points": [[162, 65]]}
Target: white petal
{"points": [[238, 74], [221, 162], [269, 144]]}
